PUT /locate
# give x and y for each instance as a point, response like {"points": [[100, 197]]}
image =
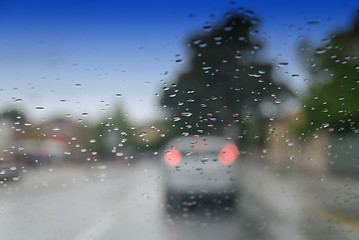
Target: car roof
{"points": [[199, 143]]}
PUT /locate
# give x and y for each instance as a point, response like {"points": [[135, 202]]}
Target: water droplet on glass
{"points": [[176, 119], [16, 178], [207, 28], [197, 41], [312, 22], [265, 150], [186, 114], [254, 75], [228, 28], [248, 114], [320, 50], [282, 64]]}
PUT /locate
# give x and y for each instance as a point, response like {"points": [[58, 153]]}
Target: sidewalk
{"points": [[337, 192], [295, 197]]}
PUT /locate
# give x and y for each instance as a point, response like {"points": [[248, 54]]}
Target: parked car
{"points": [[9, 170], [200, 170]]}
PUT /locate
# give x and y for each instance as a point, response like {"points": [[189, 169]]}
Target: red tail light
{"points": [[173, 157], [228, 154]]}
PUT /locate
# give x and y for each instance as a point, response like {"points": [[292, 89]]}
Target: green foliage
{"points": [[332, 101], [13, 115]]}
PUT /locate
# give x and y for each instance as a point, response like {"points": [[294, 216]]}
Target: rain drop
{"points": [[312, 22], [186, 114], [228, 28], [176, 119], [320, 50], [282, 64], [207, 28]]}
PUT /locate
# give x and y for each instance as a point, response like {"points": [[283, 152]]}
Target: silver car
{"points": [[200, 170]]}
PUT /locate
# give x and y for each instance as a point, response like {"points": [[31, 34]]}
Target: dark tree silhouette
{"points": [[14, 115], [225, 83]]}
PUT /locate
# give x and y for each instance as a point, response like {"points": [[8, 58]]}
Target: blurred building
{"points": [[49, 143], [288, 150], [58, 134]]}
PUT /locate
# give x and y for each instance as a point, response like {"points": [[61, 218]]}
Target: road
{"points": [[117, 201]]}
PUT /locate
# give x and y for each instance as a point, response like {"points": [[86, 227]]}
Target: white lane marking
{"points": [[137, 202]]}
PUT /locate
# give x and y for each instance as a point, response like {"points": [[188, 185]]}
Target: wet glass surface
{"points": [[179, 120]]}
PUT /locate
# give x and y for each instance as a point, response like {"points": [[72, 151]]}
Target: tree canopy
{"points": [[225, 82], [13, 115], [332, 101]]}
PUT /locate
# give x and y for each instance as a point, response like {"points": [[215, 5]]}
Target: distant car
{"points": [[9, 170], [200, 170]]}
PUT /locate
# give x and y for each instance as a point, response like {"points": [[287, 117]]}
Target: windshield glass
{"points": [[179, 119]]}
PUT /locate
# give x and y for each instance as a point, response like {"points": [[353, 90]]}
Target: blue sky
{"points": [[84, 58]]}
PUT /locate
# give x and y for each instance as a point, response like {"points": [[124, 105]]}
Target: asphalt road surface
{"points": [[117, 201]]}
